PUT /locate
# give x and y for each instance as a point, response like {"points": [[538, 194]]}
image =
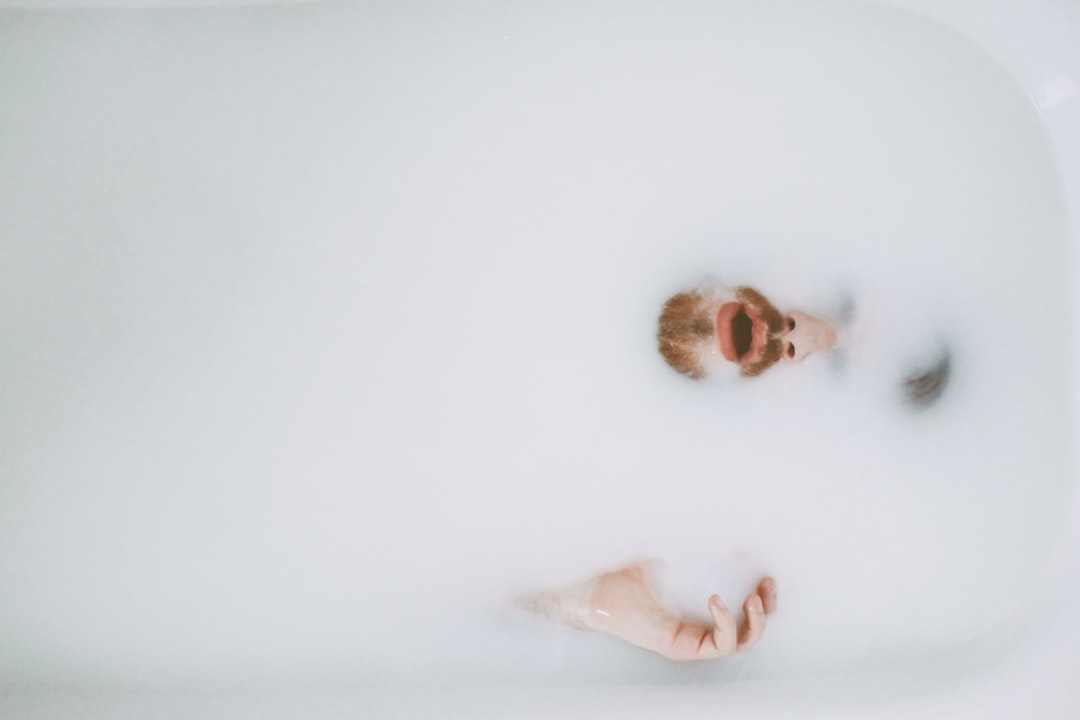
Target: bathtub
{"points": [[327, 329]]}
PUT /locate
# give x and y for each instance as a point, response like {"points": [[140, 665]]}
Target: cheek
{"points": [[771, 355]]}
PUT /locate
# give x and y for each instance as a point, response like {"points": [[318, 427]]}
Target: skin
{"points": [[714, 331], [802, 334], [717, 331], [622, 603], [809, 336]]}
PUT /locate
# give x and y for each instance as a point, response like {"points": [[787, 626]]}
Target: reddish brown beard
{"points": [[770, 355], [768, 312], [774, 349]]}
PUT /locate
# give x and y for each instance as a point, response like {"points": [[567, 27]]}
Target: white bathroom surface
{"points": [[325, 330]]}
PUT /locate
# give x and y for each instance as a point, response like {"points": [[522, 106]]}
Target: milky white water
{"points": [[324, 331]]}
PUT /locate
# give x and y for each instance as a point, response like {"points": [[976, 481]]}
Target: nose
{"points": [[806, 334]]}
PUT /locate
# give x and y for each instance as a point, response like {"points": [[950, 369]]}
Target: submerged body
{"points": [[415, 335], [713, 331], [622, 603]]}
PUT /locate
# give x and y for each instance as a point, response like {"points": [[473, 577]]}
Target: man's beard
{"points": [[774, 320]]}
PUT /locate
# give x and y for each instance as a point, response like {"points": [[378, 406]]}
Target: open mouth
{"points": [[740, 332]]}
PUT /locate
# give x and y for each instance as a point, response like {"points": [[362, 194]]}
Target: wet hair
{"points": [[685, 322], [922, 388]]}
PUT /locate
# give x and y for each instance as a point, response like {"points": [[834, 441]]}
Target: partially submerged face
{"points": [[702, 333]]}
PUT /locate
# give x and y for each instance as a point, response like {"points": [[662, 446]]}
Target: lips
{"points": [[740, 332]]}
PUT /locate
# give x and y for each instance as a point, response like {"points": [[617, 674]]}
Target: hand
{"points": [[622, 603], [726, 637]]}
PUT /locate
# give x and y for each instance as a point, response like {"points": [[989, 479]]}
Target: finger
{"points": [[726, 632], [754, 625], [766, 589]]}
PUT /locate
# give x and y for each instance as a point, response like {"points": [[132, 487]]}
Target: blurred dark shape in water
{"points": [[925, 386]]}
